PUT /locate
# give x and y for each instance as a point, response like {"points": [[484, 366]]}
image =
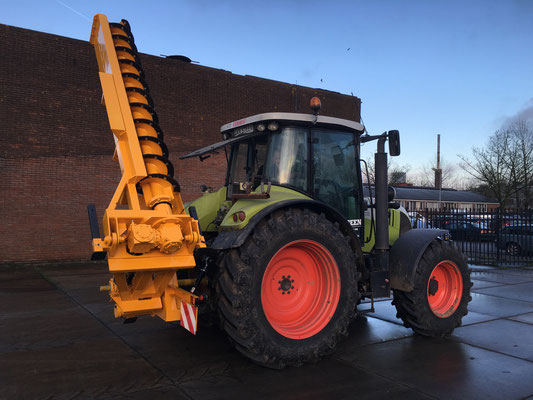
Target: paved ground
{"points": [[59, 340]]}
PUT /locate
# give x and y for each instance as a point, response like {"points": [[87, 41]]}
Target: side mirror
{"points": [[394, 143], [338, 156]]}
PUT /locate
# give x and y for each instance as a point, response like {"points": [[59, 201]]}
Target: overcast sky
{"points": [[458, 68]]}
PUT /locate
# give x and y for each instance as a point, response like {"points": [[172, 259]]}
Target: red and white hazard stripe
{"points": [[189, 317]]}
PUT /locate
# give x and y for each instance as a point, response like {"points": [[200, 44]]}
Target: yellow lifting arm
{"points": [[149, 237]]}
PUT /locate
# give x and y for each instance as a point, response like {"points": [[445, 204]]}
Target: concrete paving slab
{"points": [[366, 330], [183, 356], [474, 267], [46, 329], [515, 271], [17, 274], [383, 310], [447, 369], [527, 318], [87, 295], [522, 291], [387, 312], [475, 318], [502, 277], [504, 336], [479, 284], [498, 306], [330, 379], [156, 393], [35, 301], [87, 370], [37, 284], [73, 268], [89, 280], [144, 325]]}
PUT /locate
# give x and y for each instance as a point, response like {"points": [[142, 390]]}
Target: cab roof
{"points": [[283, 116], [279, 117]]}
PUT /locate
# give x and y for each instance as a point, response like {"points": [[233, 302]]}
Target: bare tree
{"points": [[396, 172], [522, 150], [494, 166], [450, 178], [504, 168]]}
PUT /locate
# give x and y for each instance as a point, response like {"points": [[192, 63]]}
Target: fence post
{"points": [[497, 233]]}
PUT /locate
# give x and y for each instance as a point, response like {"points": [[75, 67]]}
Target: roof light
{"points": [[273, 126], [315, 105], [260, 127]]}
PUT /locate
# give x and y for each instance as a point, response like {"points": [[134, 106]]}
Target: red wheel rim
{"points": [[300, 289], [445, 289]]}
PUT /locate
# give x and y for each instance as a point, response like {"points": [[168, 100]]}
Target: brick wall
{"points": [[56, 146]]}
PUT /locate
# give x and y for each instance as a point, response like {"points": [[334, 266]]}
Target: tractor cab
{"points": [[311, 155]]}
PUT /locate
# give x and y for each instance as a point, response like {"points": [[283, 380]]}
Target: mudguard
{"points": [[405, 255], [235, 238]]}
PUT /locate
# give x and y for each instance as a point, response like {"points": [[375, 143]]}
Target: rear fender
{"points": [[405, 255]]}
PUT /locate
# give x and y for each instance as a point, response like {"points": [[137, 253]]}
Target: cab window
{"points": [[335, 170]]}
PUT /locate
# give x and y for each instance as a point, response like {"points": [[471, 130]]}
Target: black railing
{"points": [[498, 237]]}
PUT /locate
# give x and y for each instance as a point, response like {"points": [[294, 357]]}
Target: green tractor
{"points": [[290, 253]]}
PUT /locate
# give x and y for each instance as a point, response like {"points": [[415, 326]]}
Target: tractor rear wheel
{"points": [[287, 295], [439, 300]]}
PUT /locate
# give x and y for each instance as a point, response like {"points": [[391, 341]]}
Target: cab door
{"points": [[335, 172]]}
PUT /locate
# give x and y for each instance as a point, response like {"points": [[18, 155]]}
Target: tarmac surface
{"points": [[59, 340]]}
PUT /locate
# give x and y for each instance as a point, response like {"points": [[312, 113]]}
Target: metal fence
{"points": [[498, 237]]}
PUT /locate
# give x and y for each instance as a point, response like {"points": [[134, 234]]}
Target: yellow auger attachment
{"points": [[147, 235]]}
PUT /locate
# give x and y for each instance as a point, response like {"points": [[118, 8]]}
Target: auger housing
{"points": [[149, 237]]}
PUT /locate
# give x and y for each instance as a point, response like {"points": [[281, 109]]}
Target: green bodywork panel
{"points": [[394, 230], [207, 208], [209, 204], [252, 206]]}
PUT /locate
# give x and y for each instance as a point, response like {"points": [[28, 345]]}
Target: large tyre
{"points": [[441, 292], [288, 293]]}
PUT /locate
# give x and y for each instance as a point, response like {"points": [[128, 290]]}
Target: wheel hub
{"points": [[286, 284], [433, 286]]}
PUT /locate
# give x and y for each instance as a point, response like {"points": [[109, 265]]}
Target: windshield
{"points": [[286, 162], [283, 159]]}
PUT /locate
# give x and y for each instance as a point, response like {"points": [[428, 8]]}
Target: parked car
{"points": [[418, 220], [516, 239], [443, 221], [469, 231]]}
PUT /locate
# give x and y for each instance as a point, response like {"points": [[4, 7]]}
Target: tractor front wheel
{"points": [[288, 294], [439, 300]]}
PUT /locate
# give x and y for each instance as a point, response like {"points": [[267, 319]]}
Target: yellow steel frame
{"points": [[163, 237]]}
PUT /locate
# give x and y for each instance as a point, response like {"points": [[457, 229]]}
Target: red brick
{"points": [[56, 147]]}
